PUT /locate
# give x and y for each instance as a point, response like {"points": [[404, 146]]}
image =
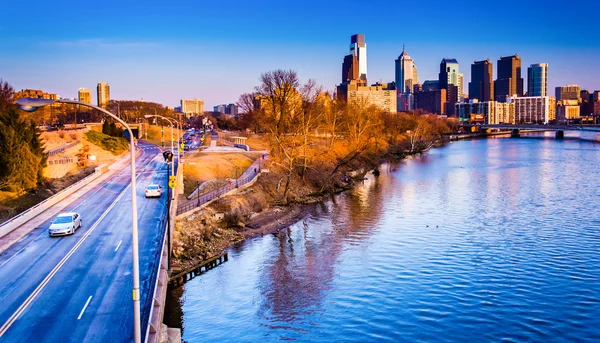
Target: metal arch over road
{"points": [[89, 297]]}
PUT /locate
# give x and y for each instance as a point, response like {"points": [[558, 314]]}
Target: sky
{"points": [[164, 51]]}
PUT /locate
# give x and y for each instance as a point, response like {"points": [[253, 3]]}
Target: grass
{"points": [[202, 166], [115, 145], [154, 135], [12, 204]]}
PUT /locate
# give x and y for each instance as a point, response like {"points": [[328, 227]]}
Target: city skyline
{"points": [[201, 59]]}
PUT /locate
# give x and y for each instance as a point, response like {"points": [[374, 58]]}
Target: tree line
{"points": [[317, 140], [22, 157]]}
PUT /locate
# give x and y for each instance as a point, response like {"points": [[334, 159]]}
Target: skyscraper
{"points": [[568, 92], [350, 68], [103, 94], [509, 81], [537, 80], [481, 86], [406, 77], [451, 80], [358, 48], [84, 95]]}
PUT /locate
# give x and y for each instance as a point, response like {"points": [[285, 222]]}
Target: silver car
{"points": [[65, 224]]}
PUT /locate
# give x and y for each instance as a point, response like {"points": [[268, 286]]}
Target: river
{"points": [[484, 240]]}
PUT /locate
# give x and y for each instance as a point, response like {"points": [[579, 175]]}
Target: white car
{"points": [[65, 224], [153, 191]]}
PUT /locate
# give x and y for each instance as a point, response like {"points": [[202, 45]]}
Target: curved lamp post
{"points": [[32, 104]]}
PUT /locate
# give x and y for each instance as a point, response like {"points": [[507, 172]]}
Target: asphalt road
{"points": [[89, 298]]}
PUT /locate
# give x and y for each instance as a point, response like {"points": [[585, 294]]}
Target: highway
{"points": [[79, 288]]}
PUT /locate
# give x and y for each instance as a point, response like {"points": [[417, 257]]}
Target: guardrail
{"points": [[250, 174], [62, 148], [20, 219]]}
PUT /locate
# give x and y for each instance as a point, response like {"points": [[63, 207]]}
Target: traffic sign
{"points": [[182, 145], [172, 183], [172, 178]]}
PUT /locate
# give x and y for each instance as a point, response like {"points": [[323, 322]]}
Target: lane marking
{"points": [[102, 187], [58, 266], [84, 307], [118, 245]]}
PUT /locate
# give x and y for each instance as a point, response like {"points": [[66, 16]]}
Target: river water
{"points": [[478, 241]]}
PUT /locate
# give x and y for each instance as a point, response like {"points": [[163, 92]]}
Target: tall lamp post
{"points": [[32, 104], [179, 131]]}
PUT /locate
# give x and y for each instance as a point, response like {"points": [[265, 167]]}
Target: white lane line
{"points": [[58, 266], [84, 307], [118, 245]]}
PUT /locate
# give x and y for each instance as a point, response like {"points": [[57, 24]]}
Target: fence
{"points": [[250, 174], [62, 148], [64, 160]]}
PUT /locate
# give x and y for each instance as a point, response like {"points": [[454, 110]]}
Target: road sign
{"points": [[172, 178], [172, 183], [182, 145]]}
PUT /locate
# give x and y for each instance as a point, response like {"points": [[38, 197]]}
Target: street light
{"points": [[179, 128], [31, 105]]}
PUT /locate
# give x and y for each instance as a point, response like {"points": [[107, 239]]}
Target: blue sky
{"points": [[216, 50]]}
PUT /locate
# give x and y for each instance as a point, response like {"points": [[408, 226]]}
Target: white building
{"points": [[358, 47], [535, 109], [192, 107]]}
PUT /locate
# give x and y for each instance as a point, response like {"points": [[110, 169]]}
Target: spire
{"points": [[403, 49]]}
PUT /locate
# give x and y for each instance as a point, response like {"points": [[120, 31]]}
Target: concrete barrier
{"points": [[22, 218]]}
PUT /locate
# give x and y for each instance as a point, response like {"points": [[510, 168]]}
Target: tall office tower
{"points": [[84, 95], [450, 75], [406, 77], [350, 68], [481, 86], [537, 80], [103, 94], [358, 48], [568, 92], [509, 81]]}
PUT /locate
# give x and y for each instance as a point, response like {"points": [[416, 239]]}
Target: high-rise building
{"points": [[350, 68], [568, 92], [226, 109], [537, 80], [481, 86], [509, 81], [382, 95], [432, 101], [192, 107], [84, 95], [430, 85], [450, 75], [535, 109], [596, 96], [358, 48], [103, 91], [587, 103], [406, 77]]}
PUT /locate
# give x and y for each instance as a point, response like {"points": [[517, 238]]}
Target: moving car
{"points": [[153, 191], [65, 224]]}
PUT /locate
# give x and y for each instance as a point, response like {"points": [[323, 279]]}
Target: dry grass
{"points": [[154, 135], [203, 166], [54, 139], [257, 142]]}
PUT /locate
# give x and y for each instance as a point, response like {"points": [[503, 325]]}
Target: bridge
{"points": [[560, 129]]}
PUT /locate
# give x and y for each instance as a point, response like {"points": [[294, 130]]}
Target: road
{"points": [[88, 298]]}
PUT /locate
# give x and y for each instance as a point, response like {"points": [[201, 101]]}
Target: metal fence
{"points": [[250, 174], [62, 148], [64, 160]]}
